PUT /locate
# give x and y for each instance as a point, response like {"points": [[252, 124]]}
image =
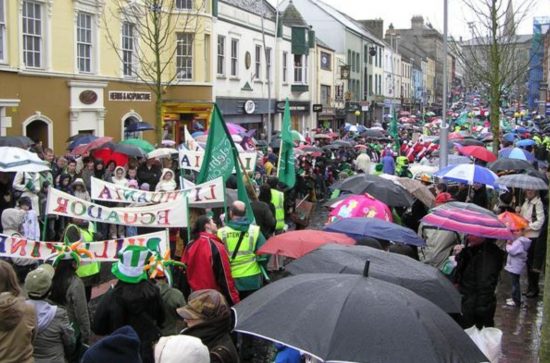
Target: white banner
{"points": [[101, 250], [171, 214], [190, 142], [199, 195], [193, 159]]}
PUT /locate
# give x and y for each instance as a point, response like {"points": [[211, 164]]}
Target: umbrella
{"points": [[454, 217], [375, 228], [361, 206], [108, 155], [522, 181], [235, 129], [295, 244], [83, 139], [418, 277], [373, 134], [510, 164], [16, 141], [139, 126], [526, 142], [456, 159], [163, 152], [15, 159], [95, 144], [144, 145], [456, 136], [516, 153], [342, 143], [311, 149], [478, 152], [322, 136], [418, 190], [384, 190], [197, 134], [350, 318], [468, 174], [469, 142], [296, 136], [513, 221]]}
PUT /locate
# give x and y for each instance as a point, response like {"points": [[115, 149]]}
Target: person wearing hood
{"points": [[55, 336], [242, 239], [12, 223], [134, 301], [167, 182], [17, 320], [119, 178], [208, 317], [515, 263], [79, 190]]}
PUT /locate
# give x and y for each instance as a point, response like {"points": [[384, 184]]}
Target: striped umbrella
{"points": [[453, 217], [468, 174], [522, 181]]}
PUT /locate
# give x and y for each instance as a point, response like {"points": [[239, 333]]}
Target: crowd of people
{"points": [[45, 313]]}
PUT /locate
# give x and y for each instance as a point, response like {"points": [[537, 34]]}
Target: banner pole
{"points": [[188, 224], [245, 172]]}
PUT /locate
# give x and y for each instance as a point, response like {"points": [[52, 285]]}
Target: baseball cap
{"points": [[39, 281], [205, 304]]}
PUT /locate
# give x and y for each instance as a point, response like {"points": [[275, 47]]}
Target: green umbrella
{"points": [[297, 136], [140, 143]]}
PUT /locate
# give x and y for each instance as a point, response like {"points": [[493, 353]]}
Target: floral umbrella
{"points": [[360, 206]]}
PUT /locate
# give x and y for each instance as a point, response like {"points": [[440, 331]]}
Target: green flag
{"points": [[462, 119], [394, 133], [221, 158], [285, 169]]}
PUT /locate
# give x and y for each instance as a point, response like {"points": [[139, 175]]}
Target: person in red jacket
{"points": [[207, 261]]}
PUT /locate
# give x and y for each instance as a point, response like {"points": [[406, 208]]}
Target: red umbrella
{"points": [[86, 148], [108, 155], [456, 136], [478, 152], [295, 244]]}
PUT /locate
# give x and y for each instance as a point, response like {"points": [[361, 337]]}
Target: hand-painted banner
{"points": [[101, 250], [199, 195], [193, 159], [164, 215]]}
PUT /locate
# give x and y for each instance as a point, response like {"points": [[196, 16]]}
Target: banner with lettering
{"points": [[209, 193], [171, 214], [193, 159], [101, 250]]}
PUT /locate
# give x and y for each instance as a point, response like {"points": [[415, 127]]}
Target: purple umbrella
{"points": [[235, 129]]}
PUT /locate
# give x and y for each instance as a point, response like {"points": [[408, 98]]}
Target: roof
{"points": [[522, 38], [346, 20], [292, 17], [257, 7], [323, 44]]}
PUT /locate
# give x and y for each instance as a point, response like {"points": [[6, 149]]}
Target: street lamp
{"points": [[357, 113]]}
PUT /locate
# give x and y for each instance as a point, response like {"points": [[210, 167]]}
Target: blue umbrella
{"points": [[84, 139], [197, 134], [468, 174], [510, 137], [516, 153], [526, 142], [139, 126], [375, 228]]}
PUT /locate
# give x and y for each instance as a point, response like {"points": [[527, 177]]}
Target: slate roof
{"points": [[257, 7], [292, 17]]}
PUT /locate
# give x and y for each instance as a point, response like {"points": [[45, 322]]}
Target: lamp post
{"points": [[443, 149], [357, 114]]}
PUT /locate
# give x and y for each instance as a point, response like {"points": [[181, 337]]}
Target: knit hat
{"points": [[122, 346], [132, 183], [130, 266], [39, 281], [181, 349], [204, 305], [145, 186]]}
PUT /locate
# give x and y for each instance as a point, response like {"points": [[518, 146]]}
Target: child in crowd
{"points": [[515, 263]]}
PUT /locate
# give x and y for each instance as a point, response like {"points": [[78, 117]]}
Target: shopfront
{"points": [[299, 112]]}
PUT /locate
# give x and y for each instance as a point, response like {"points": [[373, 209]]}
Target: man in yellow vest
{"points": [[278, 200], [242, 240]]}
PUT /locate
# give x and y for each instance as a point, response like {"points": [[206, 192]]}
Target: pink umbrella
{"points": [[235, 129], [360, 206]]}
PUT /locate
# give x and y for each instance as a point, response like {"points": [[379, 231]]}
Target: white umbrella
{"points": [[163, 152], [14, 159]]}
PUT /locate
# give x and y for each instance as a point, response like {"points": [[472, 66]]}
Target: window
{"points": [[32, 34], [370, 85], [300, 69], [184, 4], [285, 67], [350, 59], [184, 56], [234, 57], [2, 32], [325, 95], [221, 55], [357, 63], [339, 92], [268, 63], [326, 61], [128, 49], [258, 61], [84, 42]]}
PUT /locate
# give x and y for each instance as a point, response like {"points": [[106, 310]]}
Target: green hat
{"points": [[39, 281], [131, 264]]}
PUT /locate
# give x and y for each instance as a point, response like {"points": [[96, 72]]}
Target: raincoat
{"points": [[17, 329]]}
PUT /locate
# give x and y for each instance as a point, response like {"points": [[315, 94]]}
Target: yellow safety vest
{"points": [[278, 200], [244, 264], [91, 268]]}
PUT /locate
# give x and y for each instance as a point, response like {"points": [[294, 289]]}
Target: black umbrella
{"points": [[373, 134], [418, 277], [16, 141], [342, 143], [125, 149], [510, 164], [354, 319], [469, 142], [139, 126], [382, 189]]}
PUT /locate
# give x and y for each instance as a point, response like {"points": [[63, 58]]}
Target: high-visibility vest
{"points": [[244, 264], [90, 268], [278, 200]]}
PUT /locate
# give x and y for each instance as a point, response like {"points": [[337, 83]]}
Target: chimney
{"points": [[417, 22], [375, 26]]}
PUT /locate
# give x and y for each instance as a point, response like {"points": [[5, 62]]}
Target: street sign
{"points": [[318, 107]]}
